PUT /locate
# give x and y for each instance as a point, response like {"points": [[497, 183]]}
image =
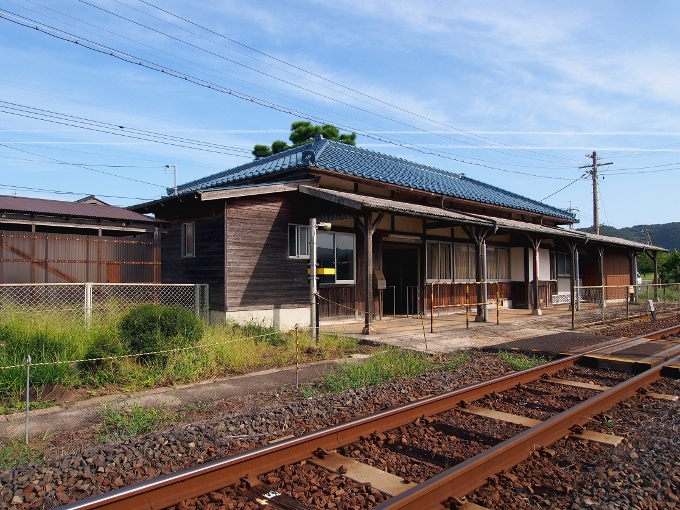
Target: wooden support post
{"points": [[498, 304], [432, 307], [656, 275], [368, 287], [467, 305], [633, 276], [572, 276], [368, 230], [536, 305], [479, 235]]}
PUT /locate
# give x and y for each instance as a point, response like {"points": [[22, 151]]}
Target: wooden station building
{"points": [[396, 227], [54, 241]]}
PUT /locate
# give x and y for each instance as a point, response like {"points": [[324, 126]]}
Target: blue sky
{"points": [[511, 93]]}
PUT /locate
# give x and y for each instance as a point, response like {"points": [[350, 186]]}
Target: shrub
{"points": [[103, 346], [151, 328]]}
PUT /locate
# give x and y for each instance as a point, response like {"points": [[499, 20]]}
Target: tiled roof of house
{"points": [[358, 162]]}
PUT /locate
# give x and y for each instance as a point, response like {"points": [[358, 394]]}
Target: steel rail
{"points": [[174, 488], [473, 473], [663, 332]]}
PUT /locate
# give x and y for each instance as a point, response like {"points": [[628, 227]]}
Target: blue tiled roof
{"points": [[357, 162]]}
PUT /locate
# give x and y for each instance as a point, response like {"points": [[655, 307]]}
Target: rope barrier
{"points": [[136, 355]]}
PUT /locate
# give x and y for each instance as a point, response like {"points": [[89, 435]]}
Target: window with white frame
{"points": [[464, 261], [298, 241], [563, 263], [336, 257], [497, 263], [439, 261], [188, 239]]}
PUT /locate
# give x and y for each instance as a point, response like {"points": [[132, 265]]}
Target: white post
{"points": [[197, 300], [28, 392], [312, 278], [88, 303]]}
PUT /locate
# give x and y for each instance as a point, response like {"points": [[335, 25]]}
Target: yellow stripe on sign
{"points": [[324, 271]]}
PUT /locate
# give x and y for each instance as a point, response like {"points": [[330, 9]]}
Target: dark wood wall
{"points": [[207, 266], [259, 273]]}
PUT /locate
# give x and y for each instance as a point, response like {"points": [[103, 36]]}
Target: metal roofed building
{"points": [[54, 241], [397, 228]]}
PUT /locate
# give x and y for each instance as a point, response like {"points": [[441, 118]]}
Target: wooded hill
{"points": [[666, 235]]}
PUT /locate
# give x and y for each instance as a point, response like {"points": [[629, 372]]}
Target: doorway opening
{"points": [[401, 270]]}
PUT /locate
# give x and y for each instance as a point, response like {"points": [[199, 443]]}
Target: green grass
{"points": [[129, 421], [382, 367], [519, 361], [456, 360], [16, 452], [224, 349], [308, 391]]}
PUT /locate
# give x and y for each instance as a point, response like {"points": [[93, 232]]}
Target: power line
{"points": [[88, 164], [563, 188], [160, 165], [83, 166], [60, 192], [294, 84], [113, 129], [99, 48], [320, 76], [176, 57], [266, 74]]}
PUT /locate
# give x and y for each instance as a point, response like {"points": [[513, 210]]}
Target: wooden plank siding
{"points": [[337, 301], [616, 268], [259, 273], [207, 266]]}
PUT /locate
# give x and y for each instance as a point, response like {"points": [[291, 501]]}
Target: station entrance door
{"points": [[400, 267]]}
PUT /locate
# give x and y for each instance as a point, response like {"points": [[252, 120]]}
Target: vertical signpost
{"points": [[312, 278]]}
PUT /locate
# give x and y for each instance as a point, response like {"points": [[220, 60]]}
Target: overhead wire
{"points": [[104, 154], [469, 133], [565, 187], [205, 67], [173, 56], [85, 167], [60, 192], [100, 48], [118, 130], [88, 164], [282, 80]]}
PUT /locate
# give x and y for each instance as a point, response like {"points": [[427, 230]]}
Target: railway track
{"points": [[438, 449]]}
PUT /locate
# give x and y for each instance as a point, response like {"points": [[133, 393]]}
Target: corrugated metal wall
{"points": [[38, 257]]}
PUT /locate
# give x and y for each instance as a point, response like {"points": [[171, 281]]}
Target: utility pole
{"points": [[572, 210], [174, 174], [593, 172]]}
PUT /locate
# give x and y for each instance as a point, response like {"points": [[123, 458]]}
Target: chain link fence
{"points": [[93, 300], [607, 303]]}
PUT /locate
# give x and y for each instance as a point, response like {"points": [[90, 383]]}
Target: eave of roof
{"points": [[623, 242], [360, 202]]}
